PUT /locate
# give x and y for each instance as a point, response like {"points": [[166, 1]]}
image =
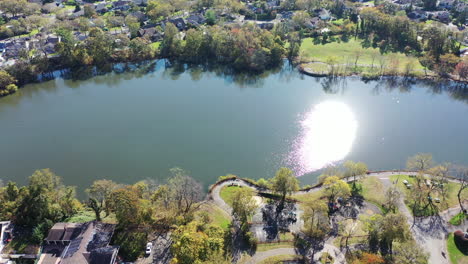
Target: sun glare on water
{"points": [[327, 134]]}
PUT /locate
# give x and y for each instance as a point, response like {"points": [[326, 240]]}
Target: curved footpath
{"points": [[429, 232]]}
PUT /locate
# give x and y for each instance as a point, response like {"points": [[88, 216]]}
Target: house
{"points": [[6, 229], [13, 49], [140, 16], [79, 243], [272, 4], [322, 13], [417, 15], [178, 22], [464, 52], [121, 5], [140, 2], [266, 25], [442, 16], [313, 23], [151, 34], [287, 14], [446, 4], [195, 20], [49, 8], [100, 7], [78, 13]]}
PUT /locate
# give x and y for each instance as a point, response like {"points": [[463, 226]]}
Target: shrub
{"points": [[458, 219], [263, 183], [227, 177]]}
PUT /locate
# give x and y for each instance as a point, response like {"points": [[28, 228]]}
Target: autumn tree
{"points": [[393, 227], [185, 192], [420, 162], [385, 230], [98, 194], [126, 206], [196, 243], [7, 83], [347, 229], [171, 44], [13, 7], [316, 220], [392, 199], [462, 70], [46, 198], [447, 64], [243, 205], [284, 183], [334, 188], [354, 169], [409, 252]]}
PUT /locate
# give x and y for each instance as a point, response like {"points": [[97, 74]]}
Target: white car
{"points": [[405, 182], [149, 247]]}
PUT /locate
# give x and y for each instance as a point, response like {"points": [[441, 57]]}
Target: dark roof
{"points": [[64, 232], [103, 255], [178, 22]]}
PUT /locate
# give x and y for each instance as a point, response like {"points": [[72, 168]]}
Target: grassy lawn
{"points": [[88, 215], [455, 255], [373, 190], [451, 200], [312, 196], [345, 52], [279, 259], [32, 33], [270, 246], [217, 215], [358, 233], [227, 193]]}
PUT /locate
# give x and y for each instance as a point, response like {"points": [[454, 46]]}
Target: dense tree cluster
{"points": [[248, 47]]}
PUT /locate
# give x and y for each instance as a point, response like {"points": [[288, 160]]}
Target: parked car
{"points": [[405, 182], [149, 247], [437, 200]]}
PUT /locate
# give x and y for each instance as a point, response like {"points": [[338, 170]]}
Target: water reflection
{"points": [[327, 134]]}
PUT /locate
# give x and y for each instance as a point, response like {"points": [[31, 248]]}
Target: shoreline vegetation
{"points": [[227, 215]]}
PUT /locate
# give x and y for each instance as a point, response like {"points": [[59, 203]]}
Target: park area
{"points": [[320, 58]]}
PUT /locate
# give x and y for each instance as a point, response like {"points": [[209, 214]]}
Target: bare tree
{"points": [[420, 162], [392, 198], [383, 64], [462, 176], [357, 55], [185, 192]]}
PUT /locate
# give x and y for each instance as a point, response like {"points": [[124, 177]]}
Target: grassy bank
{"points": [[357, 58]]}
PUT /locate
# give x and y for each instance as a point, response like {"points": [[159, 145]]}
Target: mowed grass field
{"points": [[345, 53], [455, 255]]}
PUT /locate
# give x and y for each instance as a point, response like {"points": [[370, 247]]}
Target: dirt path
{"points": [[260, 256]]}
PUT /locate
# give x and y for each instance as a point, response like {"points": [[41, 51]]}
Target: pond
{"points": [[138, 123]]}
